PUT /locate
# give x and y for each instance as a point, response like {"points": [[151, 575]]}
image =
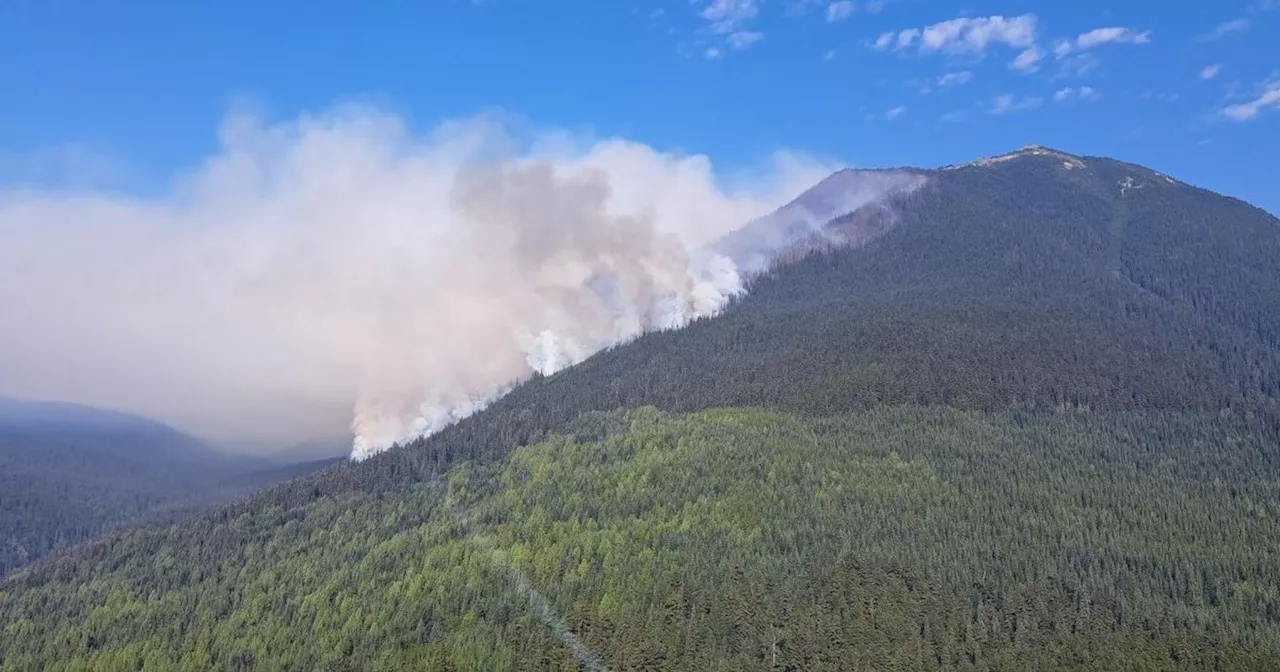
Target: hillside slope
{"points": [[1016, 284], [1028, 421], [69, 472]]}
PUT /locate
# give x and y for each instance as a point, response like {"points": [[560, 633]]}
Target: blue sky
{"points": [[1192, 89]]}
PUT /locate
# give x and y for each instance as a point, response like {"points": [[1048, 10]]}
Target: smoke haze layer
{"points": [[342, 260]]}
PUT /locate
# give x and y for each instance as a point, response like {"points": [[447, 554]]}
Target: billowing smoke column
{"points": [[563, 277], [579, 280], [344, 259], [755, 246]]}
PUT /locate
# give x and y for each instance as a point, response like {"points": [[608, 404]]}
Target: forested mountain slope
{"points": [[1014, 284], [68, 472], [1028, 422]]}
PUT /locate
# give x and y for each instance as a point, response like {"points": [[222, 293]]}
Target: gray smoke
{"points": [[808, 218], [342, 260], [556, 274]]}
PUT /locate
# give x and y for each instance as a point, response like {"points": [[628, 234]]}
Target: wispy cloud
{"points": [[730, 19], [1239, 25], [839, 11], [964, 36], [955, 78], [1210, 71], [1113, 34], [728, 16], [1007, 103], [1028, 60], [1063, 48], [744, 38], [1268, 98], [895, 112], [1224, 29], [1081, 93], [1078, 65], [1073, 54]]}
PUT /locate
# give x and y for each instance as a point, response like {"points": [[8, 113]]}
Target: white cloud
{"points": [[965, 36], [1210, 71], [895, 112], [1268, 98], [727, 16], [839, 11], [1028, 60], [955, 78], [974, 35], [1006, 103], [744, 39], [907, 37], [1078, 65], [1081, 93], [1098, 37], [1224, 29], [1114, 34]]}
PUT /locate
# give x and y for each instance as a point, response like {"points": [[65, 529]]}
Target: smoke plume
{"points": [[343, 260]]}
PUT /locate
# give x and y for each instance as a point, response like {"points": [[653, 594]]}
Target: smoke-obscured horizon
{"points": [[341, 261]]}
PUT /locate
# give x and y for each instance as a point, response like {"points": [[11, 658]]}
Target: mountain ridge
{"points": [[70, 471], [1028, 421]]}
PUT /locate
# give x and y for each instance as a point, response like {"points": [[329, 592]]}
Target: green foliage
{"points": [[1023, 285], [61, 487], [731, 539], [1031, 426]]}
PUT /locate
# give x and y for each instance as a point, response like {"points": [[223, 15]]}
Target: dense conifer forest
{"points": [[1034, 425], [907, 538], [68, 473]]}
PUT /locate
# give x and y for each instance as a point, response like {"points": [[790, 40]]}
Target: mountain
{"points": [[69, 472], [1020, 415], [26, 417]]}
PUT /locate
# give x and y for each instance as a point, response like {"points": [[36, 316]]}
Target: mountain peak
{"points": [[1079, 360], [1069, 161]]}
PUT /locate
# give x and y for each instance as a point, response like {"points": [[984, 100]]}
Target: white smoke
{"points": [[560, 276], [342, 259]]}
